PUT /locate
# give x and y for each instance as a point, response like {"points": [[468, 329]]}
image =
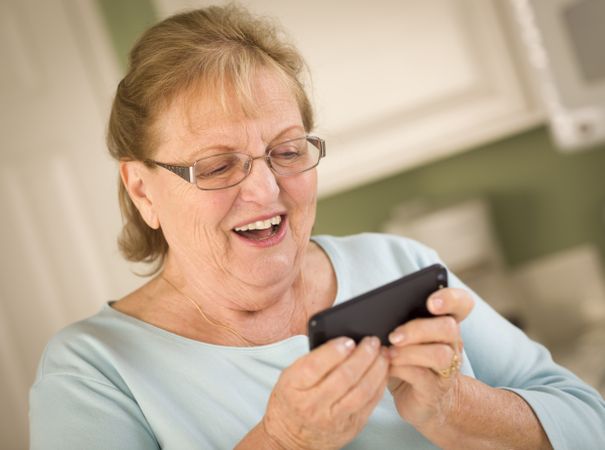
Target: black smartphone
{"points": [[379, 311]]}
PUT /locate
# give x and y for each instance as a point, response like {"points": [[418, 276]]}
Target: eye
{"points": [[216, 166], [212, 172], [287, 153]]}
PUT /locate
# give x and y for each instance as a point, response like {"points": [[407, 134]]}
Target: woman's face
{"points": [[200, 226]]}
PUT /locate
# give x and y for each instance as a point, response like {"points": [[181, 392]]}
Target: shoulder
{"points": [[368, 260], [79, 398], [388, 248], [82, 350]]}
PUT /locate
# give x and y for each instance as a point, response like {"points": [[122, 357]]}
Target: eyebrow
{"points": [[200, 152], [222, 148]]}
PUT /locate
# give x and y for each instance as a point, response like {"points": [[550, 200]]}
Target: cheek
{"points": [[307, 190], [302, 193], [207, 212], [168, 205], [298, 190], [191, 216]]}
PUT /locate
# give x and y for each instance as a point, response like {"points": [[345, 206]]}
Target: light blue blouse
{"points": [[114, 382]]}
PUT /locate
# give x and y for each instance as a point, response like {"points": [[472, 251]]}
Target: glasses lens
{"points": [[295, 156], [221, 171]]}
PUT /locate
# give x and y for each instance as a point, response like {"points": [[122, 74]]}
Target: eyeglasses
{"points": [[226, 170]]}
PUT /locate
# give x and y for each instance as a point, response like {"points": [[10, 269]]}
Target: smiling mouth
{"points": [[261, 230]]}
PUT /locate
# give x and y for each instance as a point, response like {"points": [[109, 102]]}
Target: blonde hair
{"points": [[217, 49]]}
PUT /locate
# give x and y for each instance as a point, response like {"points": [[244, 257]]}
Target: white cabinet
{"points": [[398, 83], [564, 40]]}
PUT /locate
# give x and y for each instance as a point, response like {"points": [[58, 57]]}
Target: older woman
{"points": [[211, 127]]}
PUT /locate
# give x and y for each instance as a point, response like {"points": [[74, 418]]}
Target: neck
{"points": [[221, 317]]}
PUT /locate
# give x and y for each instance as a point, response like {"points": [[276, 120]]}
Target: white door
{"points": [[58, 257]]}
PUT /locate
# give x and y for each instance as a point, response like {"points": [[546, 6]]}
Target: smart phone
{"points": [[379, 311]]}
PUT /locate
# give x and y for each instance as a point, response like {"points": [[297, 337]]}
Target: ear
{"points": [[132, 173]]}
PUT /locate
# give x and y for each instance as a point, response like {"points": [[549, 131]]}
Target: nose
{"points": [[260, 186]]}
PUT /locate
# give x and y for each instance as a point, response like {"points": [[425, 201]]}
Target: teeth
{"points": [[260, 224]]}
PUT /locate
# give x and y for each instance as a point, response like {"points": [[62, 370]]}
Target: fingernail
{"points": [[372, 343], [346, 344], [396, 338], [436, 304]]}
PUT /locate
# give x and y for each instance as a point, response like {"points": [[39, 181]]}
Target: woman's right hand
{"points": [[324, 399]]}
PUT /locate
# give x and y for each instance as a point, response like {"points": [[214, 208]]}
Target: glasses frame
{"points": [[187, 173]]}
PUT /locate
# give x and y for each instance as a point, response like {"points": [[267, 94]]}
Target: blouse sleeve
{"points": [[571, 412], [76, 412]]}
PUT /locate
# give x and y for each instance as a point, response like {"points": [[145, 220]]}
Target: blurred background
{"points": [[474, 126]]}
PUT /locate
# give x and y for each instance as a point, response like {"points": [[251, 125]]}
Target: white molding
{"points": [[92, 271], [28, 238], [19, 70], [99, 58], [574, 106], [15, 386], [54, 178]]}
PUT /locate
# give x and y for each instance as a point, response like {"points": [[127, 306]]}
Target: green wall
{"points": [[126, 20], [542, 200]]}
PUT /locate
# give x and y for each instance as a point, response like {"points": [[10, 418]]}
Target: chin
{"points": [[269, 270], [270, 267]]}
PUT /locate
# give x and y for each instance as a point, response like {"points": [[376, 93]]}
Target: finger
{"points": [[348, 374], [369, 387], [452, 301], [434, 329], [367, 409], [420, 378], [431, 356], [359, 416], [311, 368]]}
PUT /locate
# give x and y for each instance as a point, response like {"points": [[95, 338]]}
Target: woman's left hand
{"points": [[425, 360]]}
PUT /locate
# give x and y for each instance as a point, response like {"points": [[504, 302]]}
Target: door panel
{"points": [[60, 219]]}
